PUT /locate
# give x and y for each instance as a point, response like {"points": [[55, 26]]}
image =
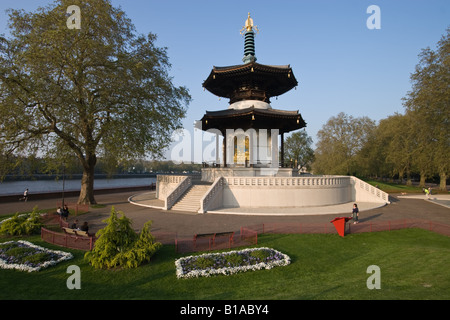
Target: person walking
{"points": [[427, 192], [25, 196], [355, 213]]}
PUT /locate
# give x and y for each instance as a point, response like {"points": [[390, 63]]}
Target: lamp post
{"points": [[64, 182]]}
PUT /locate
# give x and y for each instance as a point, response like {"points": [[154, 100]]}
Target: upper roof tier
{"points": [[250, 81]]}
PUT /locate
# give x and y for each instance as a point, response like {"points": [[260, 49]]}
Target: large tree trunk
{"points": [[408, 177], [423, 179], [87, 181], [443, 182]]}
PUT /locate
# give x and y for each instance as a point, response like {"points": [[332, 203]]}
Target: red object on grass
{"points": [[339, 224]]}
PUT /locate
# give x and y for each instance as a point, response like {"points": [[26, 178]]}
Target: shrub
{"points": [[19, 225], [118, 245]]}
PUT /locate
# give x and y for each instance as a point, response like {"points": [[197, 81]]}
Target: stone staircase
{"points": [[190, 200]]}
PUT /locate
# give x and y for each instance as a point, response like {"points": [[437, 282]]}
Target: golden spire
{"points": [[249, 26]]}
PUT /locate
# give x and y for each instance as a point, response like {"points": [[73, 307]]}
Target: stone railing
{"points": [[367, 192], [169, 178], [207, 202], [184, 183], [337, 181], [165, 185], [298, 191]]}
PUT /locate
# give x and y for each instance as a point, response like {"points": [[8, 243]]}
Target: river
{"points": [[42, 186]]}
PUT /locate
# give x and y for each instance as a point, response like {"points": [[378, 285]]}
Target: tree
{"points": [[101, 90], [297, 148], [339, 142], [118, 245], [397, 144], [428, 103]]}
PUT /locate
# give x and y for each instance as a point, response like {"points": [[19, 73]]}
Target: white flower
{"points": [[62, 256], [279, 259]]}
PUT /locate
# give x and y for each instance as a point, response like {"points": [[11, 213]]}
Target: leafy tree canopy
{"points": [[101, 90]]}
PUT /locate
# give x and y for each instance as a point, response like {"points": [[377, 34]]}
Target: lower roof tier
{"points": [[284, 121]]}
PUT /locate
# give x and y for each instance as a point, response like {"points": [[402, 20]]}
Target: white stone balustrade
{"points": [[270, 191], [213, 199], [174, 187]]}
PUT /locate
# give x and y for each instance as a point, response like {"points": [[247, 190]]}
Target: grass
{"points": [[71, 212], [413, 263], [395, 187]]}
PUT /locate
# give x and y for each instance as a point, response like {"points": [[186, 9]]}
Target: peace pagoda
{"points": [[251, 177], [250, 127]]}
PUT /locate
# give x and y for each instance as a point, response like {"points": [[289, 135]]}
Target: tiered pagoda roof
{"points": [[252, 117], [249, 87], [251, 81]]}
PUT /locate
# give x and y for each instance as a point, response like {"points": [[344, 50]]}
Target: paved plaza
{"points": [[186, 223]]}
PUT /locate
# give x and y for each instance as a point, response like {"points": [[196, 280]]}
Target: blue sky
{"points": [[340, 64]]}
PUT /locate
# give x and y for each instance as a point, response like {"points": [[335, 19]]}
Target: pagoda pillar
{"points": [[282, 150], [217, 150], [224, 146]]}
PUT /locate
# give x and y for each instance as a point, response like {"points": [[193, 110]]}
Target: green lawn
{"points": [[394, 187], [399, 188], [413, 263]]}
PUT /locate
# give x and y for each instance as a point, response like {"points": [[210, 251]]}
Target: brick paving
{"points": [[186, 224]]}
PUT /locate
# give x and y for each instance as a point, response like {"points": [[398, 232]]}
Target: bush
{"points": [[22, 225], [118, 245]]}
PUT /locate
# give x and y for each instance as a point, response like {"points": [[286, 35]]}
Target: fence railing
{"points": [[78, 208], [189, 244], [368, 226], [67, 240], [249, 235]]}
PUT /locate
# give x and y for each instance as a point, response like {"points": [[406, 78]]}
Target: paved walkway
{"points": [[187, 224]]}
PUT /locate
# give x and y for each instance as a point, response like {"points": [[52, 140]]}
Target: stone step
{"points": [[190, 200]]}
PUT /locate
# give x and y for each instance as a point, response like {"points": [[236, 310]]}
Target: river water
{"points": [[41, 186]]}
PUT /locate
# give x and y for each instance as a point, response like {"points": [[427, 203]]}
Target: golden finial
{"points": [[249, 26]]}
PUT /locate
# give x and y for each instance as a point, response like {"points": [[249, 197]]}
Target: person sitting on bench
{"points": [[84, 227]]}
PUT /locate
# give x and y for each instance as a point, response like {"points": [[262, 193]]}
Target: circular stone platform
{"points": [[148, 199]]}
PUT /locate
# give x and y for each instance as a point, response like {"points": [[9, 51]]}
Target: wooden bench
{"points": [[75, 232], [213, 236], [82, 233], [69, 230]]}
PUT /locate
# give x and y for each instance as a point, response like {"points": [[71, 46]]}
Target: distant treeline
{"points": [[26, 168], [416, 143]]}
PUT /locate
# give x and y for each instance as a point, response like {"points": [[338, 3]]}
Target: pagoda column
{"points": [[224, 146], [282, 150], [217, 150]]}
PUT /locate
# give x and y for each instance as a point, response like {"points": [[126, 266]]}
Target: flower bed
{"points": [[26, 256], [230, 262]]}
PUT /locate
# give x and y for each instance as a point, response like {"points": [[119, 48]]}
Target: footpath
{"points": [[437, 209]]}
